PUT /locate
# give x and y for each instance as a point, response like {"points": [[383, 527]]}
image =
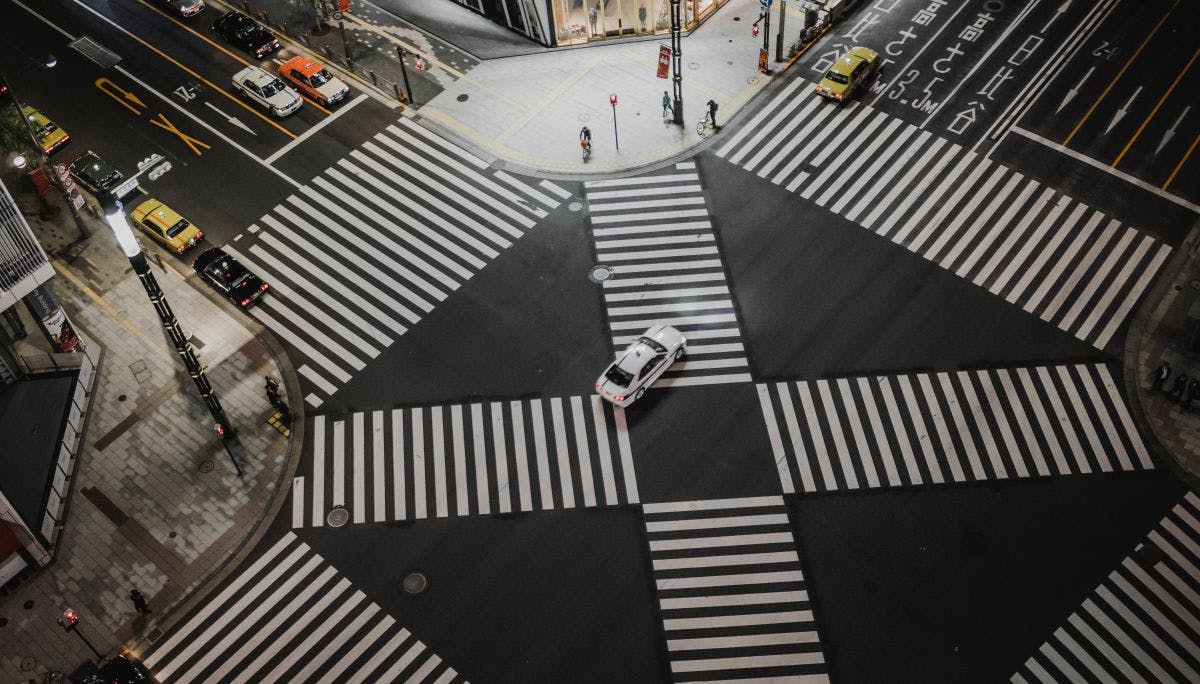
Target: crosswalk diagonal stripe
{"points": [[753, 125], [327, 365]]}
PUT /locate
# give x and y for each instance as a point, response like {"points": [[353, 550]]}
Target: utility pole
{"points": [[779, 38], [677, 61]]}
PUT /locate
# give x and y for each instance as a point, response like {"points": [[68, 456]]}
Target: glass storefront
{"points": [[582, 21]]}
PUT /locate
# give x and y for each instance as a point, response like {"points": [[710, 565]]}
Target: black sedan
{"points": [[244, 33], [229, 277]]}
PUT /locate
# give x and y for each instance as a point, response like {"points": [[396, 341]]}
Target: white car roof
{"points": [[256, 75]]}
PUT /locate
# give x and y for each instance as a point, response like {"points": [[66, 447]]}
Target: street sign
{"points": [[76, 198], [664, 60], [125, 188], [765, 4], [762, 60], [61, 169]]}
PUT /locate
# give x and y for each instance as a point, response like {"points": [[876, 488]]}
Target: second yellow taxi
{"points": [[166, 226], [51, 137]]}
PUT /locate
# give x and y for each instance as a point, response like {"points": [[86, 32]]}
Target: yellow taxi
{"points": [[165, 225], [851, 71], [49, 135]]}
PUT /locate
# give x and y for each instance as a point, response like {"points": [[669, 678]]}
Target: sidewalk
{"points": [[1167, 328], [526, 110], [155, 503]]}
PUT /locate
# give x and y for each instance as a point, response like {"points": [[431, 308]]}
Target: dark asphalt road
{"points": [[934, 582]]}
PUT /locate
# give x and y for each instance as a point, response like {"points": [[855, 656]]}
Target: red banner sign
{"points": [[664, 60]]}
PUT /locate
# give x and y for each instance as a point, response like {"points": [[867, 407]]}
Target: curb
{"points": [[1141, 328]]}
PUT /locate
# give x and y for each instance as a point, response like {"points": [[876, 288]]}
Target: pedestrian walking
{"points": [[139, 602], [668, 111], [712, 114], [1160, 376], [1178, 385], [593, 16], [272, 390]]}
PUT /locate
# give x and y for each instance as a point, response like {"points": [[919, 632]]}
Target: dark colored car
{"points": [[118, 670], [229, 277], [95, 174], [244, 33]]}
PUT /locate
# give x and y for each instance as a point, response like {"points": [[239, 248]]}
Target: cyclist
{"points": [[585, 141], [712, 114]]}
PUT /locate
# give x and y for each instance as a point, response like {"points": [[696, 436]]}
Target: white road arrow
{"points": [[1171, 131], [232, 119], [1121, 112], [1074, 90], [1057, 13]]}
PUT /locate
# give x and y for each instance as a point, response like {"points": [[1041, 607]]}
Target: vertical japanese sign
{"points": [[55, 323], [762, 60], [664, 60]]}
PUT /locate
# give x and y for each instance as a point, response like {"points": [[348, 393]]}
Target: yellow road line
{"points": [[1181, 161], [1119, 74], [550, 97], [234, 56], [1155, 110]]}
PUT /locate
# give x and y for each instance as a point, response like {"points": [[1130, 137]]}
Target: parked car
{"points": [[627, 378], [50, 136], [94, 174], [184, 8], [267, 90], [229, 277], [242, 32], [314, 80], [849, 73], [166, 226]]}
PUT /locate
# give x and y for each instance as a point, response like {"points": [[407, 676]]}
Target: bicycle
{"points": [[586, 145], [704, 125]]}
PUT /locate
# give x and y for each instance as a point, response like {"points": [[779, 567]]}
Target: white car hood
{"points": [[333, 88]]}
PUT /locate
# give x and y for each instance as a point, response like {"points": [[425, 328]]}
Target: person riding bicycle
{"points": [[585, 137], [712, 114]]}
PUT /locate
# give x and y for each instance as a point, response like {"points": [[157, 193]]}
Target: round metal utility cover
{"points": [[575, 206], [463, 97], [599, 273], [993, 6], [1196, 285], [206, 466], [27, 664], [337, 517], [415, 583]]}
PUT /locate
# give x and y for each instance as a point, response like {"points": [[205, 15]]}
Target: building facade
{"points": [[573, 22]]}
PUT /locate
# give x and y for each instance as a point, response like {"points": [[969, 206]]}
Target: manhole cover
{"points": [[3, 622], [27, 664], [206, 466], [1196, 285], [693, 65], [993, 6], [1148, 554], [121, 397], [337, 517], [575, 206], [463, 97], [415, 583], [28, 605], [600, 273]]}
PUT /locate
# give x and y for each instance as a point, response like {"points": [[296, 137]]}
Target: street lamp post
{"points": [[677, 61], [114, 216], [49, 62], [68, 621], [402, 53]]}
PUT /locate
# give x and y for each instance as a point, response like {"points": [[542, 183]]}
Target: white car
{"points": [[626, 380], [267, 90]]}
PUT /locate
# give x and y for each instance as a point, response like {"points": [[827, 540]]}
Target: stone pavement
{"points": [[1167, 328], [155, 503], [526, 110]]}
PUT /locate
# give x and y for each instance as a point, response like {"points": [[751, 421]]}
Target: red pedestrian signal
{"points": [[69, 618], [755, 30], [220, 431]]}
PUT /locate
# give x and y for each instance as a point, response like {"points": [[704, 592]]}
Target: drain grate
{"points": [[96, 52]]}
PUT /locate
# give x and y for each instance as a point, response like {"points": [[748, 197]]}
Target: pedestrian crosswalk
{"points": [[291, 617], [370, 246], [731, 592], [654, 233], [466, 459], [1142, 623], [933, 428], [1056, 258]]}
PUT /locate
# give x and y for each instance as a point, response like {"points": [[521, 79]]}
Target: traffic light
{"points": [[755, 30], [69, 618]]}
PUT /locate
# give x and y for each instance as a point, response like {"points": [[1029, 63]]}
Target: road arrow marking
{"points": [[1171, 131], [1120, 114], [237, 122], [1057, 13], [1074, 90]]}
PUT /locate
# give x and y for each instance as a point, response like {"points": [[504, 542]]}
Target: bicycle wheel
{"points": [[701, 127]]}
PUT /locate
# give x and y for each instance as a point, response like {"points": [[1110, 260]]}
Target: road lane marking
{"points": [[192, 143], [232, 119], [1170, 132], [123, 98], [232, 55], [1120, 73], [1157, 105], [1178, 166], [162, 97], [296, 141]]}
